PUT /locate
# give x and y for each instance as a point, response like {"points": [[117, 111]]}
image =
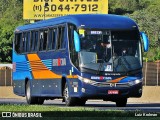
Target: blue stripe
{"points": [[48, 63]]}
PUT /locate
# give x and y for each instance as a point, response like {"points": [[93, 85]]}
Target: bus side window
{"points": [[41, 38], [73, 53], [28, 42], [23, 41], [18, 38], [45, 39], [32, 36], [52, 39], [61, 33], [34, 39]]}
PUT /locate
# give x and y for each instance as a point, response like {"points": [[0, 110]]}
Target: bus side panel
{"points": [[74, 86], [46, 88], [21, 71], [19, 87]]}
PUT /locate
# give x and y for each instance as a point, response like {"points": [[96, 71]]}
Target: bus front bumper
{"points": [[113, 91]]}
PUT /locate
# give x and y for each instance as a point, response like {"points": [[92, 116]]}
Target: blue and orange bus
{"points": [[79, 57]]}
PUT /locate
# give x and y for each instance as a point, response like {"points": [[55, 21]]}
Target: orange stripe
{"points": [[33, 57], [40, 71], [72, 76], [117, 80]]}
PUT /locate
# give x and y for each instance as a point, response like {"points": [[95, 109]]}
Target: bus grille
{"points": [[104, 84]]}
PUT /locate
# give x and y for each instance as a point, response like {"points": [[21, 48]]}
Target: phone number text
{"points": [[75, 8]]}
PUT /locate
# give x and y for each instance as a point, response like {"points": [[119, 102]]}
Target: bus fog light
{"points": [[83, 90], [140, 90]]}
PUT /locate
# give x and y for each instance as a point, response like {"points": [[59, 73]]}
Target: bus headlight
{"points": [[85, 80], [131, 83]]}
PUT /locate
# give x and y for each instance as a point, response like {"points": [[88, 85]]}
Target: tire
{"points": [[40, 101], [69, 101], [81, 102], [122, 102], [32, 100]]}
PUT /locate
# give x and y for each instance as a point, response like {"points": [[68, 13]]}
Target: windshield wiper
{"points": [[101, 64], [120, 62], [129, 66]]}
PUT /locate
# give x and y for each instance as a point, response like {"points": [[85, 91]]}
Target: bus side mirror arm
{"points": [[145, 41], [76, 41]]}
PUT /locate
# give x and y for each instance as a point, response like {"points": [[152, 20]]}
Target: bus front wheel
{"points": [[122, 102], [70, 101], [30, 99], [81, 102]]}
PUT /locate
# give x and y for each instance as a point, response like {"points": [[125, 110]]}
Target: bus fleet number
{"points": [[75, 7]]}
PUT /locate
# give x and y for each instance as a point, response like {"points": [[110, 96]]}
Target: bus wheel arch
{"points": [[26, 80], [63, 84], [69, 101], [29, 98]]}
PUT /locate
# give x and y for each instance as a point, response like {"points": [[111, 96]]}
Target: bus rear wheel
{"points": [[70, 101], [30, 99], [122, 102], [40, 101]]}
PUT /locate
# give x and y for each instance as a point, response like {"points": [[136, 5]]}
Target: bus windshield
{"points": [[111, 51]]}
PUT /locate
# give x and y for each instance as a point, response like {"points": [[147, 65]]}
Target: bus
{"points": [[79, 57]]}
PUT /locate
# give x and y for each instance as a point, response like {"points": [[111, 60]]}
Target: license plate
{"points": [[113, 92]]}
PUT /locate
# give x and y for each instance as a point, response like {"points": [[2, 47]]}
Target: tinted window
{"points": [[73, 53], [22, 43], [61, 42], [43, 37], [28, 42], [18, 38], [34, 38], [52, 39]]}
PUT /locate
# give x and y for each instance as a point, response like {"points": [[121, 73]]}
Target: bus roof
{"points": [[100, 21]]}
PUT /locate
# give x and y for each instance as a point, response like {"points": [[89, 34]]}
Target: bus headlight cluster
{"points": [[85, 80], [131, 83]]}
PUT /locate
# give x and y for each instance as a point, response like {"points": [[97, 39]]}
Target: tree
{"points": [[11, 18], [148, 21]]}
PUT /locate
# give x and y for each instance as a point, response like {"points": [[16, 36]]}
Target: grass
{"points": [[72, 113], [40, 108]]}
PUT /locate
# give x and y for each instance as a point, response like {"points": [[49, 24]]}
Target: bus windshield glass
{"points": [[110, 51]]}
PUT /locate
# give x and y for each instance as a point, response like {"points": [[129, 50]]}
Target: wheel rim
{"points": [[66, 94], [28, 93]]}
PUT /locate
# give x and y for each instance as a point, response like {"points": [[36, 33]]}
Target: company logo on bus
{"points": [[100, 78], [59, 62]]}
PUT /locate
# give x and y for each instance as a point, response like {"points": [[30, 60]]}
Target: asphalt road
{"points": [[96, 104]]}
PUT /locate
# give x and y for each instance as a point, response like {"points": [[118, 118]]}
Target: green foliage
{"points": [[11, 17]]}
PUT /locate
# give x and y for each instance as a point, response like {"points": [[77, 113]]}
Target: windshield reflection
{"points": [[117, 51]]}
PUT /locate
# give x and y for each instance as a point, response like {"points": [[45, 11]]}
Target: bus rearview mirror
{"points": [[76, 41], [145, 41]]}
